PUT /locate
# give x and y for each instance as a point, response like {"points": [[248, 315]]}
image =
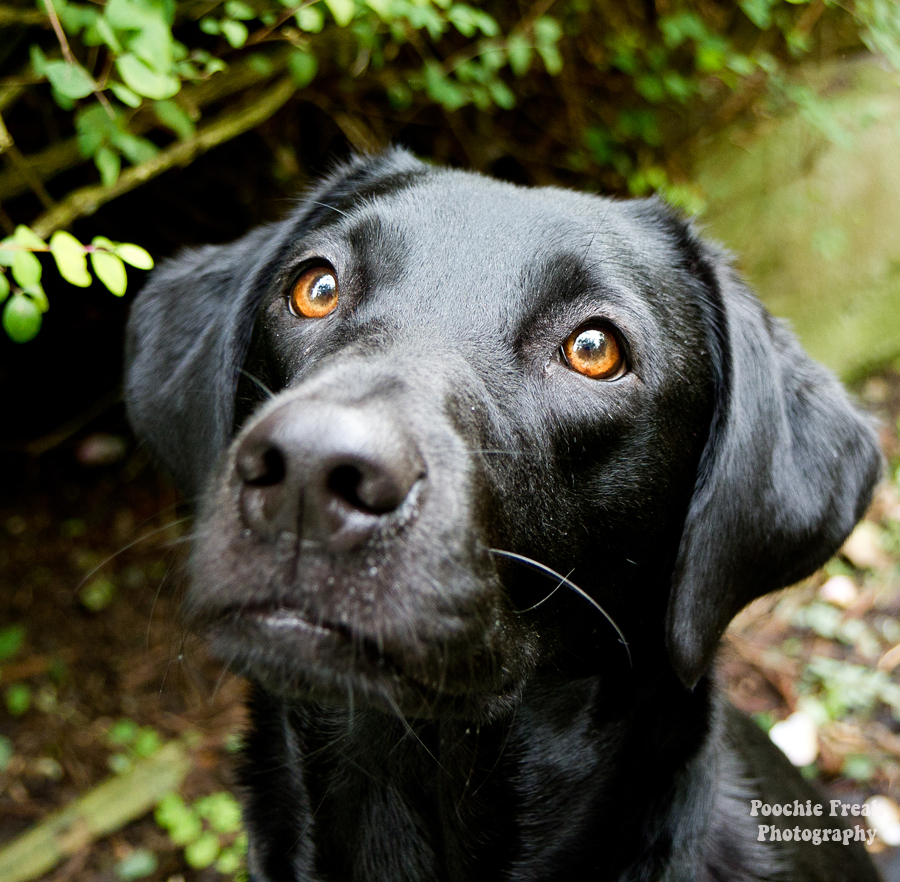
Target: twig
{"points": [[264, 32], [70, 58], [10, 94], [8, 146], [60, 34], [108, 807], [10, 16], [87, 200], [63, 155]]}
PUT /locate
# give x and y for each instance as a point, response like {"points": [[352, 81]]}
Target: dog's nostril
{"points": [[262, 469], [374, 491]]}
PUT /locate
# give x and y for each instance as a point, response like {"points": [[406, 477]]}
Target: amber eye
{"points": [[594, 351], [315, 293]]}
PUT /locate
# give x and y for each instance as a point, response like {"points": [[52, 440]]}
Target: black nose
{"points": [[328, 472]]}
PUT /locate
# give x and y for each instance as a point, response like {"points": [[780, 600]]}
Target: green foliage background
{"points": [[592, 92]]}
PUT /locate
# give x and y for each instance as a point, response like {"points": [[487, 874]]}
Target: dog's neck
{"points": [[446, 800]]}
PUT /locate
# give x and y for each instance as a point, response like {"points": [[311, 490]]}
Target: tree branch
{"points": [[87, 200], [10, 17], [63, 155]]}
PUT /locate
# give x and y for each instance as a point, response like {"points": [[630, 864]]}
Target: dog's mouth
{"points": [[297, 654]]}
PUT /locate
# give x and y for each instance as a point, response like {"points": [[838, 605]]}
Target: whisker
{"points": [[131, 544], [558, 586], [410, 730], [326, 205], [564, 580], [258, 382]]}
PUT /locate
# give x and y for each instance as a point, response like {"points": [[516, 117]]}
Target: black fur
{"points": [[427, 706]]}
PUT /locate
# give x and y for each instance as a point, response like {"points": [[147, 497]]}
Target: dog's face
{"points": [[428, 376]]}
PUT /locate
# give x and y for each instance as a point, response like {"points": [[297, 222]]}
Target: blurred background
{"points": [[132, 128]]}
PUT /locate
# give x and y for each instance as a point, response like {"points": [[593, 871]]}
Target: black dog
{"points": [[525, 454]]}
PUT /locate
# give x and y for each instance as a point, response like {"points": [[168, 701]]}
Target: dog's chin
{"points": [[303, 661]]}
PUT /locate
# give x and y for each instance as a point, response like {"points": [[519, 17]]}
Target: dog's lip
{"points": [[323, 650], [269, 621], [287, 618]]}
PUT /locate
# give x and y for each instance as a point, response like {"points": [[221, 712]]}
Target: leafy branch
{"points": [[601, 87]]}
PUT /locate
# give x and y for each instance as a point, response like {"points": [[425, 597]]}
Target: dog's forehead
{"points": [[451, 233]]}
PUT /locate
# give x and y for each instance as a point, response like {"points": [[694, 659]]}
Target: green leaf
{"points": [[400, 96], [134, 15], [110, 270], [70, 258], [261, 64], [11, 639], [26, 269], [7, 752], [135, 256], [125, 95], [62, 101], [109, 164], [122, 732], [147, 742], [758, 11], [342, 11], [94, 128], [18, 696], [38, 60], [24, 236], [137, 865], [173, 116], [547, 31], [203, 851], [209, 26], [302, 66], [462, 18], [501, 94], [239, 10], [98, 593], [441, 89], [70, 80], [310, 19], [552, 59], [107, 35], [136, 149], [4, 290], [519, 51], [36, 293], [235, 32], [75, 16], [144, 80], [21, 318]]}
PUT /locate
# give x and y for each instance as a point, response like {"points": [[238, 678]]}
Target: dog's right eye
{"points": [[315, 293], [594, 351]]}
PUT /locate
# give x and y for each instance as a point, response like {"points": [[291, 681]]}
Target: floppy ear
{"points": [[191, 325], [187, 335], [788, 469]]}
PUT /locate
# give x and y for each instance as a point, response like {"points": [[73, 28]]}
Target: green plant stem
{"points": [[87, 200]]}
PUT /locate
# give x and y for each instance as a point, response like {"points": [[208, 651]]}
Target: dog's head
{"points": [[422, 376]]}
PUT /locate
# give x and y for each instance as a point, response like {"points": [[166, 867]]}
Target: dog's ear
{"points": [[187, 335], [788, 469], [191, 325]]}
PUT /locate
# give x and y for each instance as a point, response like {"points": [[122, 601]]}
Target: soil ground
{"points": [[92, 550]]}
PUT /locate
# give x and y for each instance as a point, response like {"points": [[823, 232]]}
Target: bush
{"points": [[579, 90]]}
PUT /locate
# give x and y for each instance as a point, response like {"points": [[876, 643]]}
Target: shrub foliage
{"points": [[596, 91]]}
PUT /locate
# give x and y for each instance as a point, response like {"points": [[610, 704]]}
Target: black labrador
{"points": [[485, 471]]}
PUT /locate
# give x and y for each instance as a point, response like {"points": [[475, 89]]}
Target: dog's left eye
{"points": [[315, 293], [594, 350]]}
